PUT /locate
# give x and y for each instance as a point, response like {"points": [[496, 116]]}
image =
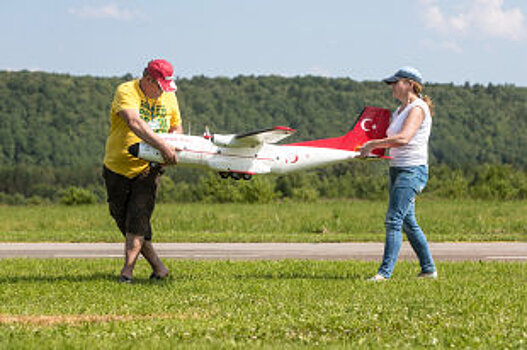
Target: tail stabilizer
{"points": [[371, 124]]}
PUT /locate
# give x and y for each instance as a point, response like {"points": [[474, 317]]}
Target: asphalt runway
{"points": [[487, 251]]}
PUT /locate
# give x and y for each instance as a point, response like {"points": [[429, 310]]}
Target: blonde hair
{"points": [[418, 89]]}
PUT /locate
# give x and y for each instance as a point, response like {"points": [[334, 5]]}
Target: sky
{"points": [[449, 41]]}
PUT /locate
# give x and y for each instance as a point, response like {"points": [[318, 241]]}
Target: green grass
{"points": [[272, 304], [333, 221]]}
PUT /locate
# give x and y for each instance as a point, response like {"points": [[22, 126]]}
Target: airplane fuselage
{"points": [[261, 159]]}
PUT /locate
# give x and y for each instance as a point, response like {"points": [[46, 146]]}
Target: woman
{"points": [[407, 136]]}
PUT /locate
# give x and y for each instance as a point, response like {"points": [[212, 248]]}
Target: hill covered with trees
{"points": [[53, 127]]}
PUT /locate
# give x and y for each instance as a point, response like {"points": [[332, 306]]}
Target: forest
{"points": [[53, 129]]}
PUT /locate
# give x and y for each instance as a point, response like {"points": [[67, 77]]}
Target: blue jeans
{"points": [[405, 184]]}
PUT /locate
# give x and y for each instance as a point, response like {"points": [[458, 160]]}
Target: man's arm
{"points": [[143, 131], [176, 129]]}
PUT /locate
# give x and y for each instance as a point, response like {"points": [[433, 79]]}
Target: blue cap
{"points": [[406, 72]]}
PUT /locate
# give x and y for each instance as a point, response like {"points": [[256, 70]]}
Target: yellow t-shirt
{"points": [[160, 115]]}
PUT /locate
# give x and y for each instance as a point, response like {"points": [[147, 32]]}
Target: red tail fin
{"points": [[372, 124]]}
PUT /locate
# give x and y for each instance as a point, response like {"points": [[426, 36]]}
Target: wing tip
{"points": [[284, 128]]}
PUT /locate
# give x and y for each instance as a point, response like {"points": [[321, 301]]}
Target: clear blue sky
{"points": [[478, 41]]}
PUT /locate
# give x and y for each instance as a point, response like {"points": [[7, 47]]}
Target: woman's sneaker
{"points": [[377, 278], [431, 275]]}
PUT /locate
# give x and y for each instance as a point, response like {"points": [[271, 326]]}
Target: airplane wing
{"points": [[258, 137]]}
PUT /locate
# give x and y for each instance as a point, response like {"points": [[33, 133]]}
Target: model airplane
{"points": [[242, 155]]}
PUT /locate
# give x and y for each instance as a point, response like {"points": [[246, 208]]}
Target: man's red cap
{"points": [[162, 71]]}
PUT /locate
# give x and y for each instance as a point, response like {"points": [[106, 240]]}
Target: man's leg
{"points": [[118, 189], [153, 259], [132, 248], [144, 193]]}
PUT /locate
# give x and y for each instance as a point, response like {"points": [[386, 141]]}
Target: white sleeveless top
{"points": [[416, 151]]}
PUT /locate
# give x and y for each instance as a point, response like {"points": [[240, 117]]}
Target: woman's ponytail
{"points": [[418, 89], [429, 102]]}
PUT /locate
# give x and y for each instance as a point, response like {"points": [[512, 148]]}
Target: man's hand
{"points": [[143, 131], [169, 155]]}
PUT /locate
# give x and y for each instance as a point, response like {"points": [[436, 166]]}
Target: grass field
{"points": [[334, 221], [272, 304], [50, 304]]}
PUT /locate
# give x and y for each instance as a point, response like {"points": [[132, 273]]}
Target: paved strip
{"points": [[491, 251]]}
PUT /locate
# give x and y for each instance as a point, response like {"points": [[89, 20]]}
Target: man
{"points": [[140, 109]]}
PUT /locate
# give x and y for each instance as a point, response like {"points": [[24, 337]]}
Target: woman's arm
{"points": [[411, 125]]}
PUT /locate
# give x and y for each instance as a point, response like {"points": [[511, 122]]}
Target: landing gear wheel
{"points": [[224, 174], [236, 176], [247, 176]]}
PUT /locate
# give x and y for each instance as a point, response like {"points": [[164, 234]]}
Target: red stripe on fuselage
{"points": [[225, 155]]}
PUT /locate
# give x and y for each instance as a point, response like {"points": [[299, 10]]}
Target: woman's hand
{"points": [[366, 149]]}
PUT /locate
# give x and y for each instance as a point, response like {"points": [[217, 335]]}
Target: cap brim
{"points": [[391, 80], [167, 85]]}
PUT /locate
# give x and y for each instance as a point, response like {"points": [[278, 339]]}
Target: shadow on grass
{"points": [[97, 277], [110, 277], [62, 278]]}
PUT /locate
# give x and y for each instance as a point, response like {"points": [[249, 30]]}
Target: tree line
{"points": [[53, 128]]}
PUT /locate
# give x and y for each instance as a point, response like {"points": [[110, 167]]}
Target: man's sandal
{"points": [[125, 279], [156, 277]]}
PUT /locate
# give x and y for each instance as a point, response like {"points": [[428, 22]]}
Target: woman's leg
{"points": [[400, 201], [418, 240]]}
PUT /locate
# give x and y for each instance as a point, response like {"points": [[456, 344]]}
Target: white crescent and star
{"points": [[364, 127]]}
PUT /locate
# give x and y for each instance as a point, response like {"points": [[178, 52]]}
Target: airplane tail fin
{"points": [[371, 124]]}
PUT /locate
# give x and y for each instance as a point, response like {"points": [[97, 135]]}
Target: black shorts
{"points": [[132, 201]]}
